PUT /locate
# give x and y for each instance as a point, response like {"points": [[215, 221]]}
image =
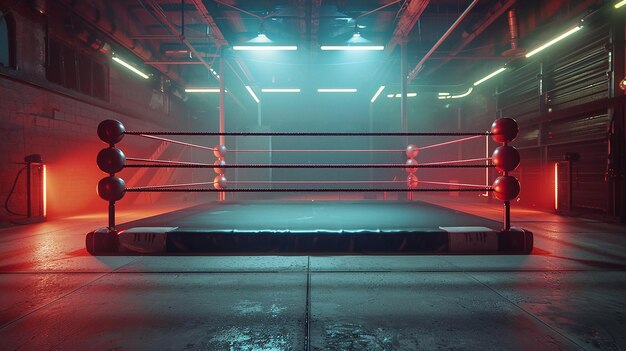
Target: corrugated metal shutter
{"points": [[580, 76], [569, 77], [520, 98]]}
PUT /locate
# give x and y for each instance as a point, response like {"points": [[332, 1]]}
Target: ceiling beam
{"points": [[160, 16], [420, 65], [301, 6], [215, 33], [315, 24], [94, 17], [407, 21], [496, 11]]}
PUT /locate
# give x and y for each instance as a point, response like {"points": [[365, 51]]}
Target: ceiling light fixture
{"points": [[553, 41], [217, 76], [265, 47], [249, 89], [280, 90], [500, 70], [352, 47], [620, 4], [380, 90], [443, 96], [398, 95], [202, 90], [130, 67], [335, 90]]}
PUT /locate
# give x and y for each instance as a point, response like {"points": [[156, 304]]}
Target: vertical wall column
{"points": [[222, 195], [404, 81], [617, 143]]}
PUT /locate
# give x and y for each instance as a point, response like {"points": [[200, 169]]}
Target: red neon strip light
{"points": [[556, 186], [45, 191]]}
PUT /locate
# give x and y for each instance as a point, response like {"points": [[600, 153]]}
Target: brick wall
{"points": [[37, 117]]}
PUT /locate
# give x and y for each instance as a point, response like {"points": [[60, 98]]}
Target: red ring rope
{"points": [[317, 182], [312, 182], [453, 141], [175, 142], [166, 161], [453, 184], [457, 161], [316, 150], [320, 166], [352, 134], [308, 190]]}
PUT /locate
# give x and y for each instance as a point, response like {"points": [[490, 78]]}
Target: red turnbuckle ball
{"points": [[504, 130], [111, 188], [506, 188], [219, 182], [219, 162], [411, 162], [412, 182], [111, 131], [111, 160], [219, 151], [506, 158], [411, 151]]}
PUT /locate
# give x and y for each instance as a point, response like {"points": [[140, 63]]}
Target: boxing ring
{"points": [[280, 227]]}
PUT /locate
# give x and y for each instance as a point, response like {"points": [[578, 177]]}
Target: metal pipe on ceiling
{"points": [[415, 71], [377, 9], [215, 33], [410, 15], [93, 17], [157, 12], [513, 29], [494, 13]]}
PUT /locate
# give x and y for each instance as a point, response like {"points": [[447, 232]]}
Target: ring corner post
{"points": [[111, 216]]}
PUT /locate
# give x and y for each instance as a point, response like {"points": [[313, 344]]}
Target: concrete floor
{"points": [[569, 294]]}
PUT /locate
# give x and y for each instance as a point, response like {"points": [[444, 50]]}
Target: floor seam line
{"points": [[8, 324], [526, 312], [307, 310]]}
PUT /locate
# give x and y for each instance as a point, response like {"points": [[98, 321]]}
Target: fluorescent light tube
{"points": [[280, 90], [620, 4], [443, 96], [202, 90], [334, 90], [265, 48], [352, 48], [249, 89], [380, 90], [399, 95], [553, 41], [130, 67], [500, 70]]}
